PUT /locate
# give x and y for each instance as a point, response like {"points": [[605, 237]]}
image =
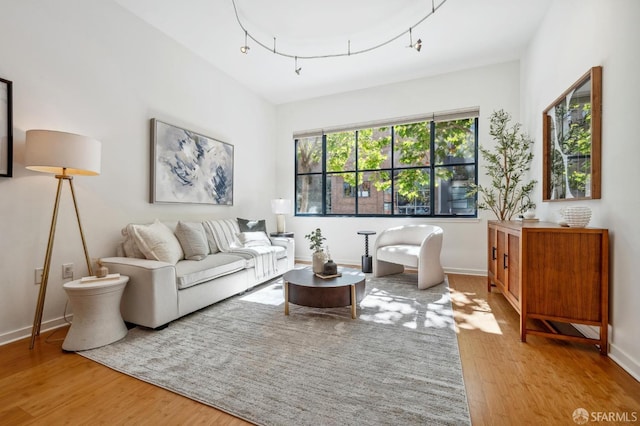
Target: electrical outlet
{"points": [[38, 276], [67, 270]]}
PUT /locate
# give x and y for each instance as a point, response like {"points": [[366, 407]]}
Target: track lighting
{"points": [[417, 45], [245, 48], [296, 68]]}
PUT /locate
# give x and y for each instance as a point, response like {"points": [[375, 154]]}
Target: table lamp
{"points": [[65, 155], [280, 207]]}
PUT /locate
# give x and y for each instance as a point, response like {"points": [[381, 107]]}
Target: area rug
{"points": [[397, 363]]}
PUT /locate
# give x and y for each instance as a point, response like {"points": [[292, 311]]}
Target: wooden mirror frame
{"points": [[595, 76]]}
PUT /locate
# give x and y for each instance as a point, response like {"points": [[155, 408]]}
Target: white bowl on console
{"points": [[577, 216]]}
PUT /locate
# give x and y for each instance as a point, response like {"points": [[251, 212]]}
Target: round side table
{"points": [[96, 313]]}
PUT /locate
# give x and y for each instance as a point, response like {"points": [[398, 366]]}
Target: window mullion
{"points": [[324, 174], [393, 169], [432, 173], [357, 167]]}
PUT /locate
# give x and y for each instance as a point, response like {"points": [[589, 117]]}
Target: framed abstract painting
{"points": [[187, 167], [6, 129]]}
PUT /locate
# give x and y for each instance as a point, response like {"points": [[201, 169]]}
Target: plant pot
{"points": [[318, 262]]}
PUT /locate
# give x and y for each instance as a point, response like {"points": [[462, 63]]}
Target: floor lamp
{"points": [[65, 155]]}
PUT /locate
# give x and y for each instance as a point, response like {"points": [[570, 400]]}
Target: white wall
{"points": [[575, 36], [489, 88], [90, 67]]}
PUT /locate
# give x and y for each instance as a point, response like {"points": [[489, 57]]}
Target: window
{"points": [[416, 168]]}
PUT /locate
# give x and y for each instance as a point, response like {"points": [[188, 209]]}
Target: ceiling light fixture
{"points": [[245, 48], [417, 45], [296, 66]]}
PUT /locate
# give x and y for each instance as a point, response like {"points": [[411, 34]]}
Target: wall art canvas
{"points": [[6, 129], [187, 167]]}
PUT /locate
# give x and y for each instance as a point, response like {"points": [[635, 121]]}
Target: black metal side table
{"points": [[367, 261]]}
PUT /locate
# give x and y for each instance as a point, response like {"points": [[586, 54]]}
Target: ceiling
{"points": [[460, 34]]}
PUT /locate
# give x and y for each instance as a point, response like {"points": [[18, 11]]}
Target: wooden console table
{"points": [[553, 274]]}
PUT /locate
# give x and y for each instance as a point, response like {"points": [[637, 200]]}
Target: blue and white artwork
{"points": [[189, 167]]}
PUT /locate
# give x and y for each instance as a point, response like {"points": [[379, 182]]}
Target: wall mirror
{"points": [[572, 140]]}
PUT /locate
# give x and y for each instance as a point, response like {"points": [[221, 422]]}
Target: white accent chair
{"points": [[415, 246]]}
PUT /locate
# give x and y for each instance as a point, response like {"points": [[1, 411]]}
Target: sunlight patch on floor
{"points": [[392, 309], [473, 313], [269, 295]]}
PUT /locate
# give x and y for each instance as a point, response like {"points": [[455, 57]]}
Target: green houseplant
{"points": [[315, 243], [507, 166]]}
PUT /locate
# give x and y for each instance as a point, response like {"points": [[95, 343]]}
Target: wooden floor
{"points": [[508, 382]]}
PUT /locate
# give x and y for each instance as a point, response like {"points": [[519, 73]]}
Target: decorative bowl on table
{"points": [[577, 216]]}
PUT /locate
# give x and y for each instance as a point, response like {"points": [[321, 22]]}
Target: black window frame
{"points": [[392, 169]]}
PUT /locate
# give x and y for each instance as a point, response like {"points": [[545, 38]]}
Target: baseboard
{"points": [[46, 326], [625, 361], [465, 271]]}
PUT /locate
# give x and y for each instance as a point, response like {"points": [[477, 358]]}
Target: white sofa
{"points": [[415, 246], [228, 262]]}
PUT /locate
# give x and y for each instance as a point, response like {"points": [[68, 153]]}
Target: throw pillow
{"points": [[157, 242], [129, 243], [193, 240], [247, 225], [253, 239], [213, 247]]}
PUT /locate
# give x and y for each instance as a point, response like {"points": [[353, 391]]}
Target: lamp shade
{"points": [[51, 151], [281, 206]]}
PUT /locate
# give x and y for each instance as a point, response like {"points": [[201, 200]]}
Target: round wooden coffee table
{"points": [[302, 287]]}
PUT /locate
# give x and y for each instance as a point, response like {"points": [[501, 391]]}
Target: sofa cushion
{"points": [[253, 239], [192, 272], [193, 240], [252, 225], [157, 242]]}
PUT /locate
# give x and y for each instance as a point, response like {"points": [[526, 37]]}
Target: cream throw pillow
{"points": [[193, 240], [129, 243], [157, 242]]}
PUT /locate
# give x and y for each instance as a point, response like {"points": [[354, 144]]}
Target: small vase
{"points": [[330, 268], [318, 262]]}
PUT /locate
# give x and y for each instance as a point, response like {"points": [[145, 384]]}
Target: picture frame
{"points": [[188, 167], [6, 128]]}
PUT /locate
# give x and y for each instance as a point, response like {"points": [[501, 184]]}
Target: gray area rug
{"points": [[397, 364]]}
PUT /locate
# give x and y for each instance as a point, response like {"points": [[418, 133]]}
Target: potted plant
{"points": [[507, 167], [315, 243]]}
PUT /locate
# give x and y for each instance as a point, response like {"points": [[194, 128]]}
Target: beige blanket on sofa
{"points": [[225, 231]]}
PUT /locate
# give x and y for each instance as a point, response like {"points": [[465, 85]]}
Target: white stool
{"points": [[96, 313]]}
